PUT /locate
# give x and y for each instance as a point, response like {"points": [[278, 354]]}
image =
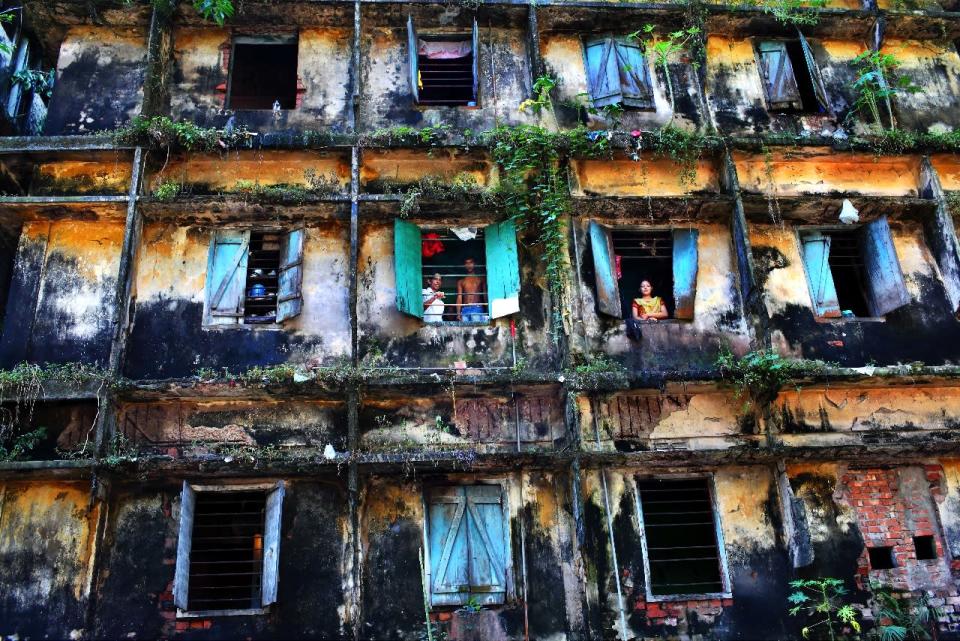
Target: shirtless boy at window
{"points": [[471, 294]]}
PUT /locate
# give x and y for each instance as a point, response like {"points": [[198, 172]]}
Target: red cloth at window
{"points": [[619, 268], [432, 246]]}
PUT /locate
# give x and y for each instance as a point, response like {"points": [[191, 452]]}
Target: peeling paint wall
{"points": [[935, 69]]}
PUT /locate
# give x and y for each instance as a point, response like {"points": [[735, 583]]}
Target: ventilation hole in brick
{"points": [[881, 558], [926, 548]]}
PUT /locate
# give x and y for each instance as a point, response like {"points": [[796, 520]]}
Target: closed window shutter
{"points": [[487, 542], [181, 576], [289, 290], [447, 544], [412, 55], [885, 284], [408, 266], [685, 265], [603, 74], [271, 544], [476, 64], [634, 75], [503, 268], [608, 290], [226, 277], [816, 79], [816, 258], [778, 78]]}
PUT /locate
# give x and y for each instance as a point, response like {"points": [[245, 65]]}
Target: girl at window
{"points": [[648, 307]]}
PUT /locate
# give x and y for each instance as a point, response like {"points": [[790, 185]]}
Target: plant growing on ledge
{"points": [[161, 131], [823, 599], [39, 82], [901, 617], [682, 147], [792, 12], [542, 87], [761, 374], [14, 446], [878, 81]]}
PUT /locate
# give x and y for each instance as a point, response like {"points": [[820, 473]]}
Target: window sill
{"points": [[857, 319], [273, 327], [181, 614], [710, 596], [458, 324]]}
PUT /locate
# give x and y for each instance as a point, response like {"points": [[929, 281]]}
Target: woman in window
{"points": [[648, 307]]}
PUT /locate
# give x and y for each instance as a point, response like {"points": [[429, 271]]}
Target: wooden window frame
{"points": [[631, 103]]}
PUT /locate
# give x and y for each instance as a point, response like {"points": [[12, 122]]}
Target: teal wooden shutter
{"points": [[685, 264], [603, 75], [413, 53], [503, 269], [408, 266], [777, 74], [271, 544], [608, 290], [181, 576], [634, 75], [816, 258], [476, 64], [819, 88], [885, 285], [226, 277], [447, 545], [290, 290], [487, 543]]}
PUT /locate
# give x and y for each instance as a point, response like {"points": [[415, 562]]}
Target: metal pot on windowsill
{"points": [[257, 290]]}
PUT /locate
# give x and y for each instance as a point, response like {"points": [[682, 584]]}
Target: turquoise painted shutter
{"points": [[777, 74], [413, 52], [476, 64], [603, 75], [181, 576], [487, 543], [408, 266], [226, 277], [885, 285], [447, 545], [503, 268], [816, 79], [685, 263], [608, 290], [271, 544], [634, 75], [816, 258], [289, 290]]}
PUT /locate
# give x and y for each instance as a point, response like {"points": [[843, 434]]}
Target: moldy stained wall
{"points": [[935, 69]]}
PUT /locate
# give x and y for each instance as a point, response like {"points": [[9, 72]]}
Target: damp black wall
{"points": [[392, 589]]}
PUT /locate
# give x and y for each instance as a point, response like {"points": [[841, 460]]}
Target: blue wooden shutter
{"points": [[608, 291], [777, 74], [819, 89], [885, 285], [181, 576], [487, 542], [685, 264], [476, 64], [503, 269], [603, 75], [271, 544], [447, 545], [226, 277], [634, 75], [290, 291], [816, 258], [412, 55], [408, 267]]}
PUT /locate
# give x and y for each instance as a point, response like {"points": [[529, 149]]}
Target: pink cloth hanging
{"points": [[444, 50]]}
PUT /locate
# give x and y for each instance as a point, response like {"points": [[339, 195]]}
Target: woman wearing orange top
{"points": [[648, 307]]}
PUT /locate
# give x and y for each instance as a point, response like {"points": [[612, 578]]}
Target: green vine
{"points": [[161, 131], [462, 188], [685, 148], [760, 375]]}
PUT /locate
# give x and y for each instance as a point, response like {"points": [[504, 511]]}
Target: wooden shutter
{"points": [[447, 545], [21, 58], [777, 74], [271, 544], [290, 282], [408, 266], [885, 285], [226, 276], [181, 576], [487, 542], [634, 75], [603, 74], [413, 53], [685, 264], [503, 269], [816, 258], [476, 64], [608, 290], [819, 88]]}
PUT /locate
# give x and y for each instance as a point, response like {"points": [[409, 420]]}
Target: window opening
{"points": [[804, 78], [881, 558], [458, 257], [791, 77], [925, 547], [446, 65], [226, 558], [262, 74], [640, 256], [680, 534], [263, 267], [846, 265]]}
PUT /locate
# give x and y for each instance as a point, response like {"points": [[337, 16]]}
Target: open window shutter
{"points": [[503, 268], [634, 75], [414, 69], [476, 64], [608, 291], [408, 265], [815, 78], [227, 276], [447, 543], [603, 75], [181, 577], [487, 543], [685, 263], [20, 61], [885, 283], [816, 258], [777, 74], [289, 291], [271, 544]]}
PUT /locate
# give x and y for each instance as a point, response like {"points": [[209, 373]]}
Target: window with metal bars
{"points": [[443, 67], [680, 537], [462, 270]]}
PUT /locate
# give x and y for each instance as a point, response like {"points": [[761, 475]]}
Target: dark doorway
{"points": [[262, 74], [846, 266]]}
